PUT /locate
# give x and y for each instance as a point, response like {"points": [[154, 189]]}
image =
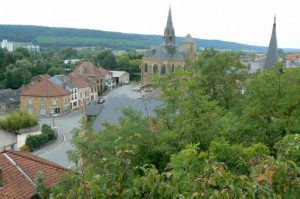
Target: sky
{"points": [[243, 21]]}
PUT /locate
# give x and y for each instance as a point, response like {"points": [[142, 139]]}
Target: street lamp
{"points": [[147, 111]]}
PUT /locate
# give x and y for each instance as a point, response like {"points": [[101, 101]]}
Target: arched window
{"points": [[155, 68], [146, 68], [163, 69], [173, 67]]}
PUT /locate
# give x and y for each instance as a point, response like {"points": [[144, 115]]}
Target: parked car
{"points": [[101, 100]]}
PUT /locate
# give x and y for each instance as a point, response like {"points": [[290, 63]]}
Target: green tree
{"points": [[223, 76], [109, 62], [272, 107]]}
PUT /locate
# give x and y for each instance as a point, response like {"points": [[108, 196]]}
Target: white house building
{"points": [[120, 77]]}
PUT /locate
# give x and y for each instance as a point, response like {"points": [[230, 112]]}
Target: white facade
{"points": [[32, 48], [8, 45], [120, 77], [74, 98], [293, 63], [16, 140], [71, 61]]}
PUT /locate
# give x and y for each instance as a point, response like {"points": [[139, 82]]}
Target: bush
{"points": [[24, 148], [36, 141], [18, 120], [289, 148]]}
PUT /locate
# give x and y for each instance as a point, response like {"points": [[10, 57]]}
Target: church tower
{"points": [[272, 55], [169, 34]]}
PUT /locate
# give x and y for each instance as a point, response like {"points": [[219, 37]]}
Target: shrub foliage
{"points": [[36, 141], [17, 120]]}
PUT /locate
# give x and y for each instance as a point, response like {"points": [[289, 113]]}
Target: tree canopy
{"points": [[222, 133]]}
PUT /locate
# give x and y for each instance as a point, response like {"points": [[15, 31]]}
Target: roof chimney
{"points": [[1, 178]]}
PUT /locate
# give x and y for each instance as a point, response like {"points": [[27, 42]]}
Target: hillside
{"points": [[51, 37]]}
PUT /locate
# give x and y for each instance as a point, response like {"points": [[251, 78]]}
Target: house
{"points": [[64, 82], [42, 97], [87, 89], [15, 140], [7, 45], [98, 74], [292, 60], [19, 172], [9, 100], [120, 77]]}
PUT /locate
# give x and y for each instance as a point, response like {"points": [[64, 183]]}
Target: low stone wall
{"points": [[28, 130]]}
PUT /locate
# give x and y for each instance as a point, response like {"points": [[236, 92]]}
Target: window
{"points": [[29, 100], [55, 111], [155, 69], [43, 110], [30, 109], [42, 99], [53, 101], [163, 69], [146, 68]]}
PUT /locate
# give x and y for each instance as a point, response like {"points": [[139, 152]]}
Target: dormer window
{"points": [[82, 70]]}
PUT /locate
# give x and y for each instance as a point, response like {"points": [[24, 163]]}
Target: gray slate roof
{"points": [[169, 29], [9, 96], [63, 81], [94, 109], [161, 53], [169, 50], [272, 55]]}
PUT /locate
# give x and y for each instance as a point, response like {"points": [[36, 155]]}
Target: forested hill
{"points": [[51, 37]]}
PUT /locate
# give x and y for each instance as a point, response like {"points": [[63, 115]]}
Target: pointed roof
{"points": [[188, 39], [90, 69], [20, 171], [272, 55], [169, 30]]}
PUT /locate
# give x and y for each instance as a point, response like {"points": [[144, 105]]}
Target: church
{"points": [[168, 56]]}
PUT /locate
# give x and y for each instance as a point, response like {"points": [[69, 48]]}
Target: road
{"points": [[57, 151], [117, 99]]}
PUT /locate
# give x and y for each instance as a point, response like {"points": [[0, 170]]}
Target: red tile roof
{"points": [[43, 88], [292, 56], [91, 69], [81, 81], [20, 170], [103, 71]]}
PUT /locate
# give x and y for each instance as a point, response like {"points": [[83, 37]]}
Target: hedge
{"points": [[36, 141], [18, 120]]}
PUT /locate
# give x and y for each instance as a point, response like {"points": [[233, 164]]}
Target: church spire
{"points": [[169, 34], [272, 55]]}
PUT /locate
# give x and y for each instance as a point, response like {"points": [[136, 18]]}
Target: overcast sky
{"points": [[244, 21]]}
